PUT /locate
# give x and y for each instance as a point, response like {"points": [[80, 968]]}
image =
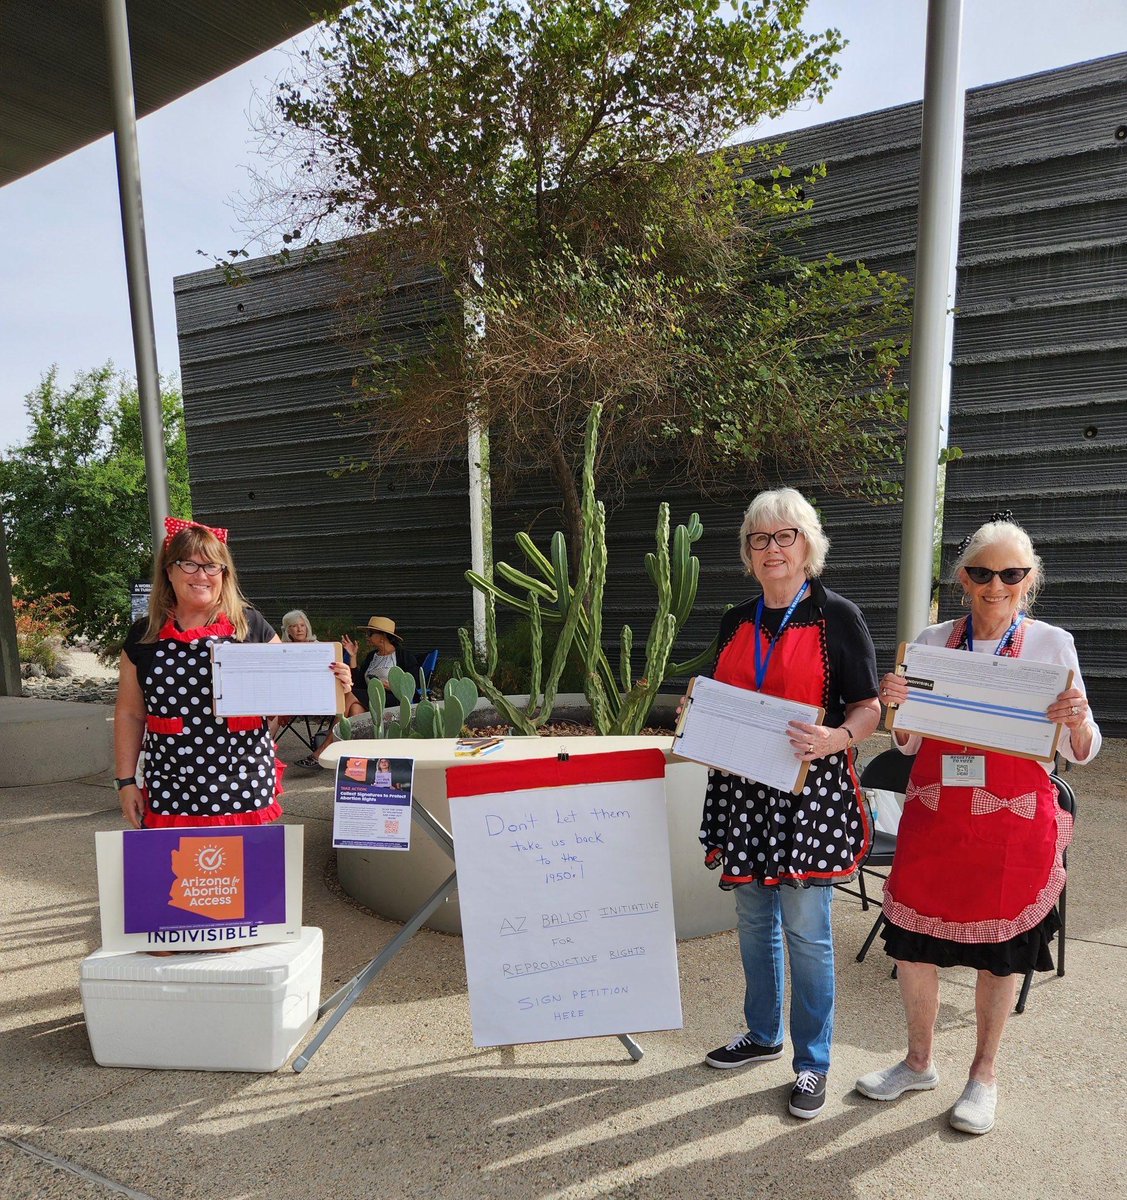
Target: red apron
{"points": [[819, 836], [977, 864]]}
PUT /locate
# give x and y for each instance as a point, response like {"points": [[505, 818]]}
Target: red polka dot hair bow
{"points": [[174, 525]]}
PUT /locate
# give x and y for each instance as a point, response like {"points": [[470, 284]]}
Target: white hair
{"points": [[786, 504], [996, 533], [293, 617]]}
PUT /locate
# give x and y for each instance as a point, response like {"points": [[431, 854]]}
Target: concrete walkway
{"points": [[398, 1103]]}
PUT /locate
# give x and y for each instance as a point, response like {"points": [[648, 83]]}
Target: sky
{"points": [[63, 298]]}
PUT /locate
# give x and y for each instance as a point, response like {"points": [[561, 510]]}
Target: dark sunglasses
{"points": [[1010, 575]]}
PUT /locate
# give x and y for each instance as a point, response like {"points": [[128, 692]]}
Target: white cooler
{"points": [[243, 1011]]}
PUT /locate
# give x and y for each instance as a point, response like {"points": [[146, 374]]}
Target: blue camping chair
{"points": [[427, 667]]}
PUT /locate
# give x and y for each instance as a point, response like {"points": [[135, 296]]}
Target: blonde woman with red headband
{"points": [[200, 769]]}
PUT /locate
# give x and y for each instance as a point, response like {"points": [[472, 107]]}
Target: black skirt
{"points": [[1027, 951]]}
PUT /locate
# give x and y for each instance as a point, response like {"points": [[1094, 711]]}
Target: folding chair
{"points": [[1066, 798], [310, 731], [888, 772], [427, 667]]}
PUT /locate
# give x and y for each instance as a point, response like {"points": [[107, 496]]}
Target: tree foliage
{"points": [[74, 496], [576, 152]]}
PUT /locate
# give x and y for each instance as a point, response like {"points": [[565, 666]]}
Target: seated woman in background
{"points": [[296, 627], [385, 650]]}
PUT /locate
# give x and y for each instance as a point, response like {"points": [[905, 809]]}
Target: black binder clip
{"points": [[562, 756]]}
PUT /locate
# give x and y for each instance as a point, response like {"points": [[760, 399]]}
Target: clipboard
{"points": [[253, 679], [717, 732], [979, 743]]}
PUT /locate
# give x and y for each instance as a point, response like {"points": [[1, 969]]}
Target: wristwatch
{"points": [[118, 784], [849, 742]]}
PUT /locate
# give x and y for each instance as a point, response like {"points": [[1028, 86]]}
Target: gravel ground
{"points": [[90, 680]]}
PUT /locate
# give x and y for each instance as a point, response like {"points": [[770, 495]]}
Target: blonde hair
{"points": [[996, 533], [293, 617], [202, 543], [791, 506]]}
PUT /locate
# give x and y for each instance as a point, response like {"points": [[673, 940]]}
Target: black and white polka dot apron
{"points": [[201, 769], [752, 832]]}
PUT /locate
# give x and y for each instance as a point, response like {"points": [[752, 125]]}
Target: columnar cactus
{"points": [[619, 704]]}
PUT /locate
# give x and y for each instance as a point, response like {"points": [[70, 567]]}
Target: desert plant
{"points": [[426, 719], [42, 625], [619, 703]]}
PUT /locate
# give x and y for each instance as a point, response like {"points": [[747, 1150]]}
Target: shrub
{"points": [[42, 625]]}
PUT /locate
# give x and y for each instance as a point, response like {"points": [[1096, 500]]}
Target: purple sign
{"points": [[204, 877]]}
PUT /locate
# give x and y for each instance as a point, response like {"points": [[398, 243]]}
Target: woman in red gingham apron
{"points": [[978, 867]]}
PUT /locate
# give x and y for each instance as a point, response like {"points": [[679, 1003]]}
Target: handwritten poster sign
{"points": [[372, 807], [566, 897], [200, 888]]}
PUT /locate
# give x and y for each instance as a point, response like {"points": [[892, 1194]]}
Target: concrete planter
{"points": [[395, 885]]}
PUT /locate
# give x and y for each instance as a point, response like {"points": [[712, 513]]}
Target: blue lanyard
{"points": [[1007, 637], [762, 664]]}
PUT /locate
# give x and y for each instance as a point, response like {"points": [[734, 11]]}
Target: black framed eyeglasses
{"points": [[190, 568], [1010, 575], [781, 538]]}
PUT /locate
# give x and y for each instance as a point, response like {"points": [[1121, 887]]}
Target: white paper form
{"points": [[742, 732], [251, 680], [989, 701]]}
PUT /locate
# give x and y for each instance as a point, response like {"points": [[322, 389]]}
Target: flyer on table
{"points": [[372, 809]]}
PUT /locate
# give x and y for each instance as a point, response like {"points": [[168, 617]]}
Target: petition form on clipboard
{"points": [[255, 679], [988, 701], [743, 733]]}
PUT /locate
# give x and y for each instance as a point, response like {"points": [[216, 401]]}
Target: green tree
{"points": [[74, 497], [566, 165]]}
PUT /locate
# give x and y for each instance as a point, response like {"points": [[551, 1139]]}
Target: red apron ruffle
{"points": [[257, 816], [977, 864], [244, 724]]}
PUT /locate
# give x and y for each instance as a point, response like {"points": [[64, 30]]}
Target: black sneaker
{"points": [[808, 1096], [741, 1051]]}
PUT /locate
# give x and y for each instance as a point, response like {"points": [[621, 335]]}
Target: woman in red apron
{"points": [[782, 852], [978, 867]]}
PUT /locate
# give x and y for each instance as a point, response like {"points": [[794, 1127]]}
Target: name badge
{"points": [[964, 770]]}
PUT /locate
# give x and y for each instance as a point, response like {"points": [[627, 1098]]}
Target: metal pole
{"points": [[10, 684], [116, 21], [936, 245], [481, 503]]}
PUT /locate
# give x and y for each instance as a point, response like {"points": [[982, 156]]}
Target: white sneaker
{"points": [[893, 1082], [974, 1109]]}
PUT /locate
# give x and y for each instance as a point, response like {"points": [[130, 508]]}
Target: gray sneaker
{"points": [[808, 1096], [893, 1082], [974, 1109]]}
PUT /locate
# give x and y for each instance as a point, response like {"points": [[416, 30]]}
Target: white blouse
{"points": [[1042, 643]]}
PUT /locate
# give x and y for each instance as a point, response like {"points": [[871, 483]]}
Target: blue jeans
{"points": [[803, 914]]}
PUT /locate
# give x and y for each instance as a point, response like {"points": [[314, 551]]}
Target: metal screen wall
{"points": [[1040, 370]]}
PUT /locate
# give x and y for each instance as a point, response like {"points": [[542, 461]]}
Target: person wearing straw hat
{"points": [[385, 650]]}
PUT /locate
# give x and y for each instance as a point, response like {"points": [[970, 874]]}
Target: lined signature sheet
{"points": [[280, 677], [742, 732], [985, 700]]}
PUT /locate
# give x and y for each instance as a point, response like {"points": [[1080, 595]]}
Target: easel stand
{"points": [[344, 997]]}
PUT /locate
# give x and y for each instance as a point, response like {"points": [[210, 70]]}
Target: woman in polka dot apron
{"points": [[200, 769], [780, 852], [979, 867]]}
